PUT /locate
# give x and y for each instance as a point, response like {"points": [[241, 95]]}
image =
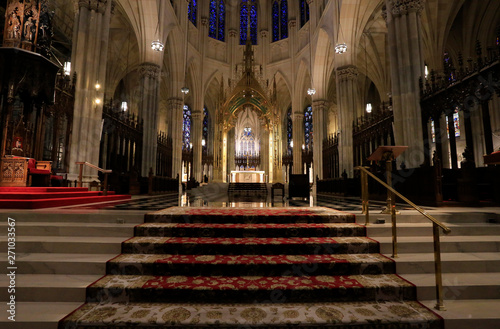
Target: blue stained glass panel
{"points": [[186, 128], [289, 129], [276, 19], [222, 20], [284, 19], [308, 114], [243, 23], [253, 24], [304, 12], [212, 26]]}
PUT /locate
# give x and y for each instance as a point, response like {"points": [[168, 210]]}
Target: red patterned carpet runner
{"points": [[248, 267]]}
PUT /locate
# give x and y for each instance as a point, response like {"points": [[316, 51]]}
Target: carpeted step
{"points": [[254, 265], [249, 215], [250, 230], [48, 195], [363, 315], [33, 189], [249, 246], [58, 202], [232, 289]]}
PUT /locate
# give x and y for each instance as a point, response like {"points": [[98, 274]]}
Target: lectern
{"points": [[388, 154]]}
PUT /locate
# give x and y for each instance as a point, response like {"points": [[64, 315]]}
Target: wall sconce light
{"points": [[203, 143], [67, 68], [98, 101], [124, 106], [97, 85], [185, 90], [369, 108]]}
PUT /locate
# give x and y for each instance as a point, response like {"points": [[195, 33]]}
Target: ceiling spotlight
{"points": [[340, 48], [185, 90], [157, 45]]}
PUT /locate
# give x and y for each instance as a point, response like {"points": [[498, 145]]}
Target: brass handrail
{"points": [[104, 171], [436, 224]]}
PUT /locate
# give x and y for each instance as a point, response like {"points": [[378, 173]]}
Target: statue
{"points": [[29, 28], [13, 25]]}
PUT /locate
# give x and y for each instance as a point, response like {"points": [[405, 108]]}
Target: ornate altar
{"points": [[248, 176]]}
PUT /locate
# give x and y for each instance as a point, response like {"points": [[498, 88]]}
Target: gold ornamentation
{"points": [[176, 315], [140, 314], [365, 312], [253, 314], [329, 314], [214, 315], [292, 314], [101, 314], [402, 311]]}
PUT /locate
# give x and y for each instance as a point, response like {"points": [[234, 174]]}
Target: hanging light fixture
{"points": [[340, 47], [185, 89], [310, 91], [157, 45]]}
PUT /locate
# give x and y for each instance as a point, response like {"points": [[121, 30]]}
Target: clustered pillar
{"points": [[150, 76], [407, 66], [90, 46], [348, 96], [319, 128], [175, 108]]}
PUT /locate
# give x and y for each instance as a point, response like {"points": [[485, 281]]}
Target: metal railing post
{"points": [[105, 187], [437, 268], [80, 176]]}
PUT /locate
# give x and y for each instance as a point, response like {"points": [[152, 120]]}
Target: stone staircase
{"points": [[60, 254], [470, 261]]}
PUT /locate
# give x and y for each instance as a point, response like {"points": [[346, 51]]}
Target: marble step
{"points": [[416, 263], [425, 229], [458, 286], [467, 314], [71, 229], [76, 216], [37, 315], [65, 244], [455, 216], [453, 244], [59, 263], [48, 287]]}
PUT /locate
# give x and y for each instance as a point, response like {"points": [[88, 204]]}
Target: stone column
{"points": [[196, 137], [348, 96], [175, 110], [407, 66], [320, 109], [298, 140], [90, 42], [148, 111]]}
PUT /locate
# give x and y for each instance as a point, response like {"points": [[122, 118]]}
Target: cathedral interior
{"points": [[173, 101]]}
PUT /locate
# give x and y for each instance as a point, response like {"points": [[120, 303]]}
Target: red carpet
{"points": [[46, 197], [245, 268]]}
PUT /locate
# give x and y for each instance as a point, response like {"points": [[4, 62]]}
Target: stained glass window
{"points": [[217, 20], [244, 21], [304, 12], [186, 128], [456, 124], [308, 127], [280, 19], [289, 131], [433, 131], [205, 128], [192, 9], [276, 21], [284, 19]]}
